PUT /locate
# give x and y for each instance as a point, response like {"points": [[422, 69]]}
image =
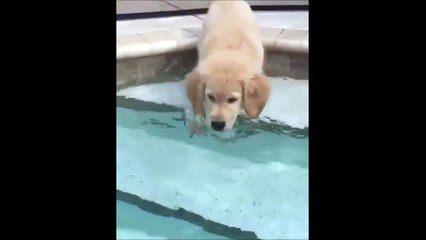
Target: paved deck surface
{"points": [[141, 6]]}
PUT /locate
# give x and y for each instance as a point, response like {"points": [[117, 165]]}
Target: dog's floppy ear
{"points": [[195, 91], [256, 91]]}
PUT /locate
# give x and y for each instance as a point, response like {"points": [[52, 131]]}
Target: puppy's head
{"points": [[220, 95]]}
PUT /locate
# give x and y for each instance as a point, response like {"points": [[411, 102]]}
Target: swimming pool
{"points": [[250, 184], [253, 183]]}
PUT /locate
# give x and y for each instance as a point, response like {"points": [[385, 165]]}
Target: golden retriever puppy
{"points": [[228, 76]]}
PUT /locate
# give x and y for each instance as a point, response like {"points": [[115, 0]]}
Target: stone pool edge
{"points": [[166, 41]]}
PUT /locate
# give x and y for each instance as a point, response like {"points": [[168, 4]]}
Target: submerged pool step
{"points": [[180, 213]]}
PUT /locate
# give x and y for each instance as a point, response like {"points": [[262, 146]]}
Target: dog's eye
{"points": [[232, 100], [211, 97]]}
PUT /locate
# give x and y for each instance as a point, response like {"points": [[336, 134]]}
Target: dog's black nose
{"points": [[218, 126]]}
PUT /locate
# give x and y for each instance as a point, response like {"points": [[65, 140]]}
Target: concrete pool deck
{"points": [[126, 7]]}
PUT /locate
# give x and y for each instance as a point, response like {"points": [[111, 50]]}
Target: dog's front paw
{"points": [[197, 128], [195, 124]]}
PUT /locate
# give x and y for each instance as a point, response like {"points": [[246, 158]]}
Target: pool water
{"points": [[134, 223], [253, 182]]}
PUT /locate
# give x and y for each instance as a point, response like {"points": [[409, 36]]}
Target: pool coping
{"points": [[160, 42]]}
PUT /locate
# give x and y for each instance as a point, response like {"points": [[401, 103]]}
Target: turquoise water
{"points": [[135, 223], [254, 183]]}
